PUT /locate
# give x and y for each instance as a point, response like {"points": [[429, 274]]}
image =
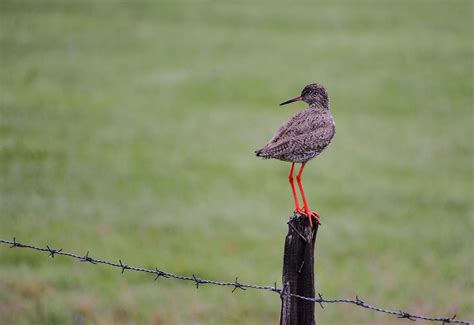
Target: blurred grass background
{"points": [[128, 129]]}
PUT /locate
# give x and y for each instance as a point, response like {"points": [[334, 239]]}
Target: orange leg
{"points": [[310, 214], [293, 189]]}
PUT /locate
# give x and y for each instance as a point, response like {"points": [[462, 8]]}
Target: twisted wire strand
{"points": [[236, 284]]}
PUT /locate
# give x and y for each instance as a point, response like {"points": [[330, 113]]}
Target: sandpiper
{"points": [[303, 137]]}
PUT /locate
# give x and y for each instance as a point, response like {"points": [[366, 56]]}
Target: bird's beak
{"points": [[292, 100]]}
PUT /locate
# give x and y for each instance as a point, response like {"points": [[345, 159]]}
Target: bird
{"points": [[301, 138]]}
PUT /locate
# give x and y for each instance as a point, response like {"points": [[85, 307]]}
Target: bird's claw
{"points": [[312, 214]]}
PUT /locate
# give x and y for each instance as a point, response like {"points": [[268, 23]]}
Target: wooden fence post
{"points": [[298, 272]]}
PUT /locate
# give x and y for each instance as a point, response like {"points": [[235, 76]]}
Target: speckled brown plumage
{"points": [[303, 137], [306, 134]]}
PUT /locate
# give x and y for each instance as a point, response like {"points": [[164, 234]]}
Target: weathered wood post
{"points": [[298, 272]]}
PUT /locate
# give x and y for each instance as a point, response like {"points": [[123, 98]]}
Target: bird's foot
{"points": [[312, 214], [300, 211], [315, 216]]}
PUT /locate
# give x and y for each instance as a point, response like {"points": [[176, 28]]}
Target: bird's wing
{"points": [[319, 138], [287, 128], [283, 148], [313, 140]]}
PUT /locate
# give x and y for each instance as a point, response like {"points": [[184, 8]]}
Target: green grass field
{"points": [[128, 130]]}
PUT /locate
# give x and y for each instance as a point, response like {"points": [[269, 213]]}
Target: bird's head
{"points": [[311, 94]]}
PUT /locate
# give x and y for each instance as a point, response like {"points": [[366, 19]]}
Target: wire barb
{"points": [[275, 288], [52, 251], [198, 281], [14, 243], [321, 299], [236, 284], [123, 266], [449, 320], [159, 273], [87, 258], [406, 315]]}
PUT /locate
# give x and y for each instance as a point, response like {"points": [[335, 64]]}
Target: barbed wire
{"points": [[236, 284]]}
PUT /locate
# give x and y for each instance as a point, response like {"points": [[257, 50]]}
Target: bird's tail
{"points": [[261, 153]]}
